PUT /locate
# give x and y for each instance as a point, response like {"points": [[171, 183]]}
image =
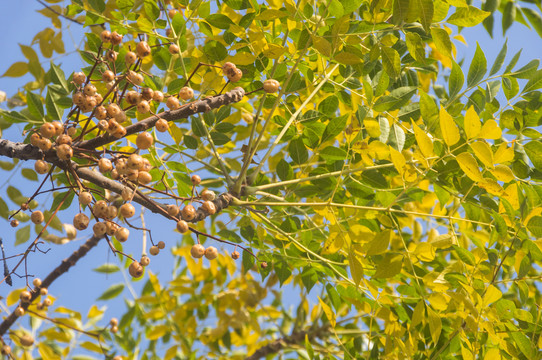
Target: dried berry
{"points": [[135, 269], [197, 251], [127, 210], [271, 86], [37, 217], [144, 140], [211, 253], [80, 221], [182, 226], [188, 212]]}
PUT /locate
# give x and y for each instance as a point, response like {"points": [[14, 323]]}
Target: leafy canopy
{"points": [[393, 192]]}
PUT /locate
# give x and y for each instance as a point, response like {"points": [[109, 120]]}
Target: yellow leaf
{"points": [[435, 324], [491, 130], [492, 294], [17, 69], [450, 132], [389, 266], [273, 51], [380, 243], [329, 313], [504, 154], [419, 313], [439, 301], [14, 297], [443, 241], [472, 123], [372, 126], [46, 352], [242, 58], [491, 186], [322, 45], [424, 142], [503, 173], [483, 152], [511, 195], [425, 252], [468, 164], [157, 332], [94, 311], [466, 354], [494, 354], [398, 160]]}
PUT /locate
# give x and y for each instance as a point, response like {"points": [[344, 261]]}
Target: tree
{"points": [[334, 147]]}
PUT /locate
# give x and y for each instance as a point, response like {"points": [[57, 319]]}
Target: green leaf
{"points": [[35, 105], [107, 268], [329, 105], [4, 209], [534, 18], [415, 45], [535, 226], [22, 235], [396, 99], [442, 41], [282, 269], [125, 5], [534, 83], [335, 9], [54, 112], [468, 16], [421, 10], [429, 110], [284, 170], [525, 72], [98, 5], [456, 81], [513, 62], [58, 77], [298, 152], [219, 21], [391, 62], [523, 343], [238, 4], [215, 50], [533, 149], [334, 127], [190, 142], [112, 292], [478, 67], [510, 87], [465, 255], [29, 174], [499, 61], [219, 138], [332, 153], [151, 9], [389, 266], [400, 11], [16, 69], [508, 15]]}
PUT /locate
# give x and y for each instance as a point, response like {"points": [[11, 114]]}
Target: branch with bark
{"points": [[198, 106], [64, 266]]}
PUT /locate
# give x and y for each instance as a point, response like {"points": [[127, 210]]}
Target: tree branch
{"points": [[199, 106], [64, 266], [295, 338]]}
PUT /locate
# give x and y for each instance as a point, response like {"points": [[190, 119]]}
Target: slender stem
{"points": [[290, 121]]}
